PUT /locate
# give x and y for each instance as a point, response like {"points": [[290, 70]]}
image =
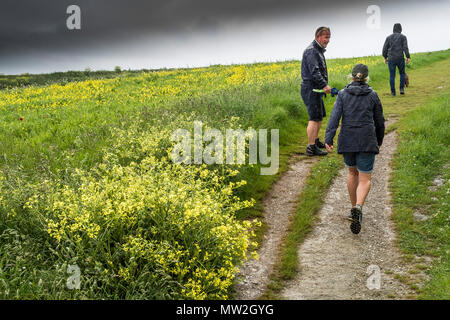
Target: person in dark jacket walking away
{"points": [[362, 133], [394, 49], [315, 76]]}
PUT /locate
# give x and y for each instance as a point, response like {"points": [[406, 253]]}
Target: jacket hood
{"points": [[358, 89], [397, 28]]}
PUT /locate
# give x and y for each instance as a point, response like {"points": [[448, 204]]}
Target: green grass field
{"points": [[86, 179]]}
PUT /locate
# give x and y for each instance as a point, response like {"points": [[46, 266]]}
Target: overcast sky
{"points": [[151, 34]]}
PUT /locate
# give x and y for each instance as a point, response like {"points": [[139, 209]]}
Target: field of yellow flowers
{"points": [[86, 180]]}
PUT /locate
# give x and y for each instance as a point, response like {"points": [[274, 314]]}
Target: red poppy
{"points": [[20, 118]]}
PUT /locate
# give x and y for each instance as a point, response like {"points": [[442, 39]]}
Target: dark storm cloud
{"points": [[33, 32], [32, 24]]}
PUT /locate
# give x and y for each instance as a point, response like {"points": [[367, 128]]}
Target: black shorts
{"points": [[313, 102]]}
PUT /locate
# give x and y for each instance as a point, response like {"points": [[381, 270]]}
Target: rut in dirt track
{"points": [[279, 204]]}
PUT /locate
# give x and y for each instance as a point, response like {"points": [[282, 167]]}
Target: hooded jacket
{"points": [[362, 128], [396, 45], [314, 66]]}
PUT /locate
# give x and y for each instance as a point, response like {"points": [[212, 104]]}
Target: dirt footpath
{"points": [[279, 204], [334, 262]]}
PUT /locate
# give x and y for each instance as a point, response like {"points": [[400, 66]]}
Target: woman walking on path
{"points": [[362, 133]]}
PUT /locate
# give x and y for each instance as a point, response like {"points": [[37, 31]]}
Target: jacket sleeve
{"points": [[313, 64], [405, 47], [378, 119], [386, 48], [335, 117]]}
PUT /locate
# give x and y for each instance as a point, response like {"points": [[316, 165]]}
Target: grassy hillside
{"points": [[86, 178]]}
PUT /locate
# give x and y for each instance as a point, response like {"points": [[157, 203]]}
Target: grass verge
{"points": [[420, 187]]}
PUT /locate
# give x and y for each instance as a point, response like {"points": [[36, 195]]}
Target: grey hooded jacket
{"points": [[362, 128], [396, 45]]}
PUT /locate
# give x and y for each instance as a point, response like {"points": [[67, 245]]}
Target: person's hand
{"points": [[386, 61], [327, 89], [329, 148], [408, 60]]}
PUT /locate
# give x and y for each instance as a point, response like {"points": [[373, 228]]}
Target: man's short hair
{"points": [[322, 29]]}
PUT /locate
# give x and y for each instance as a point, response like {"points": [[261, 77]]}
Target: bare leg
{"points": [[352, 184], [319, 125], [363, 188], [312, 131]]}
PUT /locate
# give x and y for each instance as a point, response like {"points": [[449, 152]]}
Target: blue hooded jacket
{"points": [[362, 128]]}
